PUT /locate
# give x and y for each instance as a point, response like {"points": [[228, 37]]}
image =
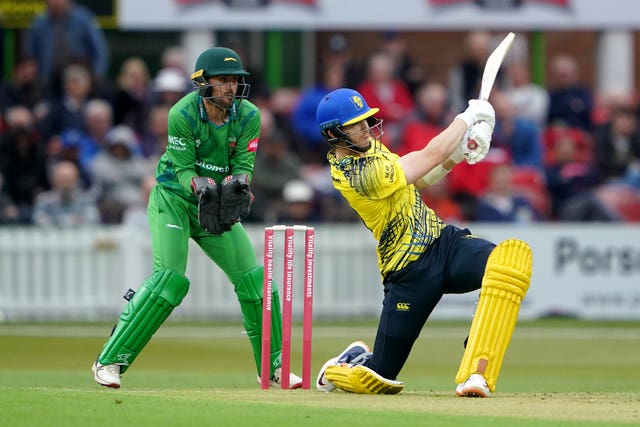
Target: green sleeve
{"points": [[244, 157], [181, 148]]}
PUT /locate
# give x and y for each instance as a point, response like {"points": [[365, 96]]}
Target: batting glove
{"points": [[476, 142], [478, 111]]}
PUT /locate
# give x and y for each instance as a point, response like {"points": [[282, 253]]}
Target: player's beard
{"points": [[224, 102]]}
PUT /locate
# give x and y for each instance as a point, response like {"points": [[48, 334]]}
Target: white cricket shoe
{"points": [[294, 380], [352, 351], [474, 386], [106, 375]]}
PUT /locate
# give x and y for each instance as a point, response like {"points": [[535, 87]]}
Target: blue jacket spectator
{"points": [[66, 33], [501, 203], [519, 136], [314, 147], [570, 101]]}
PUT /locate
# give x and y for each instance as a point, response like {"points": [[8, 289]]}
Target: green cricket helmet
{"points": [[344, 107], [219, 61]]}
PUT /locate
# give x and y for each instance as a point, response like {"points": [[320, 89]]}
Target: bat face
{"points": [[493, 65], [490, 72]]}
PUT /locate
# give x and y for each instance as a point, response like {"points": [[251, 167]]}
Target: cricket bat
{"points": [[491, 67]]}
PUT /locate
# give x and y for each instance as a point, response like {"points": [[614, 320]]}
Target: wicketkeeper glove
{"points": [[235, 199], [208, 204]]}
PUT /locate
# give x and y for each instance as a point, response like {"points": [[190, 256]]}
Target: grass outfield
{"points": [[556, 373]]}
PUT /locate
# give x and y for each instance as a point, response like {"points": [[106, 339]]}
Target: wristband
{"points": [[458, 155]]}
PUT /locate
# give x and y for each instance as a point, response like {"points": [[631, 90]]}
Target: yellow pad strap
{"points": [[506, 280], [362, 380]]}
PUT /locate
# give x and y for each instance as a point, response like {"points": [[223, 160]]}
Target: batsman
{"points": [[202, 193], [420, 257]]}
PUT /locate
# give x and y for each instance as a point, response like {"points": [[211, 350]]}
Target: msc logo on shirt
{"points": [[176, 143], [403, 306]]}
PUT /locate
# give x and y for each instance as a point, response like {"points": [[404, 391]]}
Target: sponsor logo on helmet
{"points": [[357, 102], [230, 58]]}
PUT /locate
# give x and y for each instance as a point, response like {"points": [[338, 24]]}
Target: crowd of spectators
{"points": [[79, 148]]}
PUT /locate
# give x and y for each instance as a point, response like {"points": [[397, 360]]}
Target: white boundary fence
{"points": [[82, 274], [591, 271]]}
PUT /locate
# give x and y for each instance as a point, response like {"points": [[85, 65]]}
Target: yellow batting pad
{"points": [[506, 280], [362, 380]]}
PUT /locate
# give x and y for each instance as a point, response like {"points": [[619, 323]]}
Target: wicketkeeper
{"points": [[202, 193], [419, 256]]}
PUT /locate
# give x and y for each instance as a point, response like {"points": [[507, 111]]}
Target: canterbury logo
{"points": [[229, 58], [403, 306], [357, 101]]}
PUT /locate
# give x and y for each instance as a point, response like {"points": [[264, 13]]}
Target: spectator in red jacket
{"points": [[431, 116], [391, 95]]}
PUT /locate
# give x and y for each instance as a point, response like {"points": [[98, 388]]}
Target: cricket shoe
{"points": [[106, 375], [294, 380], [474, 386], [353, 351]]}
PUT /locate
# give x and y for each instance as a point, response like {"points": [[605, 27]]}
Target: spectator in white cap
{"points": [[300, 204], [169, 86]]}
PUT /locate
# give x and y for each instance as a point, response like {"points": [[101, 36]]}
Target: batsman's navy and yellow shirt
{"points": [[376, 188]]}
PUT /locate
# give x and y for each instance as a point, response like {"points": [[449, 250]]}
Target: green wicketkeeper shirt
{"points": [[198, 147]]}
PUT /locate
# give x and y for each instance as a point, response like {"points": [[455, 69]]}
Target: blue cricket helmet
{"points": [[339, 108]]}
